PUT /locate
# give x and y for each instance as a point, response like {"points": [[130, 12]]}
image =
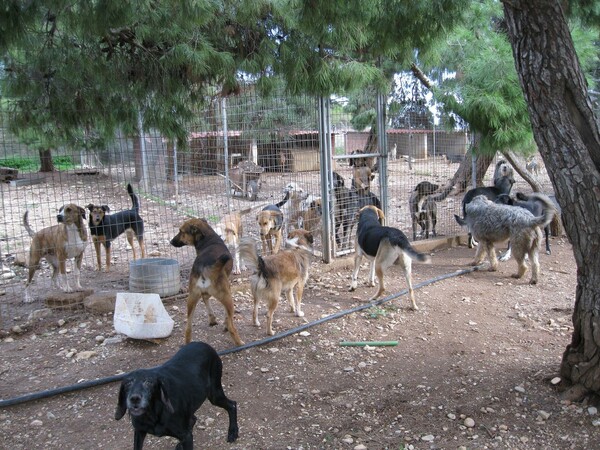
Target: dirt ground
{"points": [[474, 367]]}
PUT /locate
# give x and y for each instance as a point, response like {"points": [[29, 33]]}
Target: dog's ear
{"points": [[82, 212], [121, 403], [380, 215], [164, 397], [105, 208], [90, 207], [309, 238]]}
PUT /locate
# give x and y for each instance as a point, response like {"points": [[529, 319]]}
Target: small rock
{"points": [[469, 423], [520, 389], [360, 447], [592, 410], [113, 340], [555, 380], [39, 313], [63, 331], [17, 329], [36, 423], [543, 415], [100, 339], [61, 322], [451, 416], [304, 333], [428, 438], [347, 440], [86, 354], [50, 416], [9, 339]]}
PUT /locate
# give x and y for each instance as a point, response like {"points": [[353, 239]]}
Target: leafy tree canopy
{"points": [[77, 70], [484, 88]]}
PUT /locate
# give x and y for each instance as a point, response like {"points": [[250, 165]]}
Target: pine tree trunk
{"points": [[137, 160], [170, 160], [568, 138], [46, 164]]}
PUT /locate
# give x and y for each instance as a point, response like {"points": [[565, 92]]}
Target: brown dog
{"points": [[270, 222], [285, 271], [210, 273], [56, 244]]}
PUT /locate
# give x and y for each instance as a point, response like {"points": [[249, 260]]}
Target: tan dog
{"points": [[210, 273], [270, 222], [283, 272], [56, 244], [230, 229], [310, 218]]}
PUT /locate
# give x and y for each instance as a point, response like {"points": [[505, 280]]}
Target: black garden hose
{"points": [[98, 382]]}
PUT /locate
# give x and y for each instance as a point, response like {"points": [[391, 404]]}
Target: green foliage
{"points": [[33, 164], [485, 90], [76, 71]]}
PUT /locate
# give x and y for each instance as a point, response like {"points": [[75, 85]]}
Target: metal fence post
{"points": [[326, 175], [383, 153]]}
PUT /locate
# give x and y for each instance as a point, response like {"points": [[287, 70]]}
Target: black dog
{"points": [[105, 228], [531, 203], [423, 210], [162, 400], [423, 207], [503, 182], [346, 209]]}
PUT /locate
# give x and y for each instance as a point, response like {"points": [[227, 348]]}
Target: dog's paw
{"points": [[300, 314]]}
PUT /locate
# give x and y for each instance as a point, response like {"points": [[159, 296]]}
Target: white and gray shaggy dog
{"points": [[490, 222]]}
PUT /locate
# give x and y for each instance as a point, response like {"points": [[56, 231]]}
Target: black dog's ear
{"points": [[90, 206], [122, 403], [105, 208], [164, 397]]}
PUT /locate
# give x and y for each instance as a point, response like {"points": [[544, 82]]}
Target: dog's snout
{"points": [[135, 399], [60, 218]]}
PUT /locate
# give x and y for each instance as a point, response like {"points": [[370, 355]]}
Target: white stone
{"points": [[469, 422], [555, 380], [520, 389], [428, 438], [36, 423], [592, 410]]}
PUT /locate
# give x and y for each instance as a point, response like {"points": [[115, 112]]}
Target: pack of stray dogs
{"points": [[162, 401]]}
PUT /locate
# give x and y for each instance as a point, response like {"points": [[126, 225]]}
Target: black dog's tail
{"points": [[548, 209], [399, 239], [26, 224], [135, 201], [438, 197]]}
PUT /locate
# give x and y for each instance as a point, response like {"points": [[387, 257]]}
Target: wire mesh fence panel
{"points": [[243, 153]]}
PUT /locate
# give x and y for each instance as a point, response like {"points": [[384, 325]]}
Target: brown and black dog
{"points": [[383, 246], [270, 223], [105, 228], [56, 244], [285, 271], [210, 273]]}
